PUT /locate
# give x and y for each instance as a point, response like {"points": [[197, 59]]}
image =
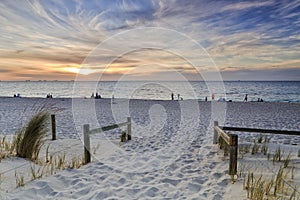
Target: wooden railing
{"points": [[258, 130], [232, 140], [87, 132]]}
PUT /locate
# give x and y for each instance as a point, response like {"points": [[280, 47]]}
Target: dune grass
{"points": [[30, 139], [281, 185], [123, 136], [27, 143]]}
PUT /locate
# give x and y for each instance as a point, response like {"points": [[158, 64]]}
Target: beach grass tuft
{"points": [[264, 149], [31, 138], [123, 136], [287, 160], [255, 148], [20, 182], [281, 185], [260, 138], [278, 155]]}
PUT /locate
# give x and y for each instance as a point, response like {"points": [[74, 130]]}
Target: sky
{"points": [[149, 40]]}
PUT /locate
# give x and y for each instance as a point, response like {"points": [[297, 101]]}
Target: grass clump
{"points": [[259, 188], [287, 161], [31, 138], [264, 149], [123, 136], [278, 155], [255, 148], [20, 182], [266, 139], [260, 138]]}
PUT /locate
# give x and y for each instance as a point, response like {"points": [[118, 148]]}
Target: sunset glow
{"points": [[248, 40]]}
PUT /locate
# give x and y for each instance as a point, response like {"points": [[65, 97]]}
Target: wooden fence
{"points": [[232, 140], [87, 132]]}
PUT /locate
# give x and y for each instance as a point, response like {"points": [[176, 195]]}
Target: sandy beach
{"points": [[170, 156]]}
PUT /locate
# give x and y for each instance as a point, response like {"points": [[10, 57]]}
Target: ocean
{"points": [[271, 91]]}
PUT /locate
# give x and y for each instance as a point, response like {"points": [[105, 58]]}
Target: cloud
{"points": [[285, 74], [4, 70], [246, 5], [49, 36]]}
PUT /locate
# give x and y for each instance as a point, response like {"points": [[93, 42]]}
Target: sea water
{"points": [[271, 91]]}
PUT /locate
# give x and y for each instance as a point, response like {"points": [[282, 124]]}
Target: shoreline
{"points": [[165, 100]]}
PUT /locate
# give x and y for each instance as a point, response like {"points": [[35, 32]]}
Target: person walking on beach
{"points": [[212, 96], [246, 98], [178, 96], [205, 98], [113, 99], [172, 96]]}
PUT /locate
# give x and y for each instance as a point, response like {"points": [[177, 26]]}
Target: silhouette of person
{"points": [[172, 96], [205, 98], [178, 96], [113, 99], [246, 98], [212, 96]]}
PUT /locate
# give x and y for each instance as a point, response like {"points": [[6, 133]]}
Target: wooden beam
{"points": [[258, 130], [224, 135], [107, 128]]}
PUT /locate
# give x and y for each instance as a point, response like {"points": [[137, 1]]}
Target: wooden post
{"points": [[233, 154], [128, 128], [86, 142], [53, 124], [215, 137]]}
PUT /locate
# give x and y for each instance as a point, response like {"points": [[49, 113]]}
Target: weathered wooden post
{"points": [[86, 142], [53, 124], [128, 128], [233, 154], [215, 137]]}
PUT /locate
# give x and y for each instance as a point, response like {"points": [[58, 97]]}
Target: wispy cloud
{"points": [[246, 5], [50, 37]]}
